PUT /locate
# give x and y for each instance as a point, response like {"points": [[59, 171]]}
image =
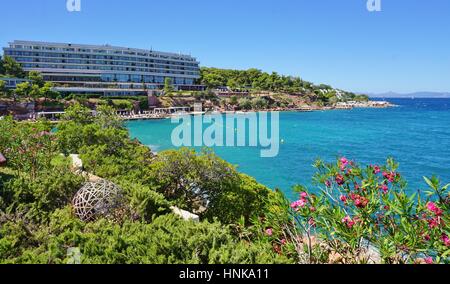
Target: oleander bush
{"points": [[361, 215]]}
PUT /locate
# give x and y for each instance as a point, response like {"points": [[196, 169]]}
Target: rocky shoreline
{"points": [[26, 111], [342, 106]]}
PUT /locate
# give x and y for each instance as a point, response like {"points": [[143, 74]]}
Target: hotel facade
{"points": [[105, 69]]}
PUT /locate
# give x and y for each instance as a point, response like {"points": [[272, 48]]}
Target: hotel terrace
{"points": [[104, 69]]}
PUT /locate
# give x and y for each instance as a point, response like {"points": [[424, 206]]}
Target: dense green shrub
{"points": [[145, 201], [167, 240], [204, 183], [51, 190], [245, 198]]}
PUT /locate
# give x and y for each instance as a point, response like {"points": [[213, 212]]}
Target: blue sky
{"points": [[403, 48]]}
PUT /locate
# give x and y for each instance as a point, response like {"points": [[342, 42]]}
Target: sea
{"points": [[416, 134]]}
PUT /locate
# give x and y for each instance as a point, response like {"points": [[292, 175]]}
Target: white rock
{"points": [[185, 215], [76, 161]]}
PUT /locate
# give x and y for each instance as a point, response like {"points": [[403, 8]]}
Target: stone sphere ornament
{"points": [[97, 199]]}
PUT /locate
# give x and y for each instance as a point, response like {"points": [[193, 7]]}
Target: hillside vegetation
{"points": [[255, 80]]}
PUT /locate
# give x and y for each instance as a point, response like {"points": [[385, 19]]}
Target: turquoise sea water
{"points": [[416, 134]]}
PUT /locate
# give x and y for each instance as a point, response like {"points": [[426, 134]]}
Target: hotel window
{"points": [[159, 79], [136, 78], [179, 81], [123, 78], [148, 79], [108, 77]]}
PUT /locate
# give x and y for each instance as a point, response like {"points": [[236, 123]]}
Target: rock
{"points": [[185, 215], [335, 258], [77, 163]]}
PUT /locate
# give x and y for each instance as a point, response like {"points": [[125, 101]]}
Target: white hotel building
{"points": [[105, 69]]}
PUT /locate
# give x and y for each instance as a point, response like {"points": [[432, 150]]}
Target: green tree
{"points": [[259, 103], [48, 92], [202, 182], [3, 90], [232, 84], [168, 87], [245, 104], [212, 80], [233, 100], [35, 91], [13, 68], [36, 78], [2, 68], [78, 114], [23, 89]]}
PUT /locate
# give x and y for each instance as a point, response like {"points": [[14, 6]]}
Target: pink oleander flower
{"points": [[360, 203], [303, 195], [295, 204], [269, 232], [298, 203], [376, 169], [384, 188], [359, 200], [328, 183], [348, 221], [344, 161], [312, 208], [343, 198], [312, 222], [283, 241], [302, 202], [340, 180], [427, 238], [434, 222], [446, 240], [389, 176], [431, 206], [392, 178], [429, 260]]}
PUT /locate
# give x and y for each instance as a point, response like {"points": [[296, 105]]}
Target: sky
{"points": [[403, 48]]}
